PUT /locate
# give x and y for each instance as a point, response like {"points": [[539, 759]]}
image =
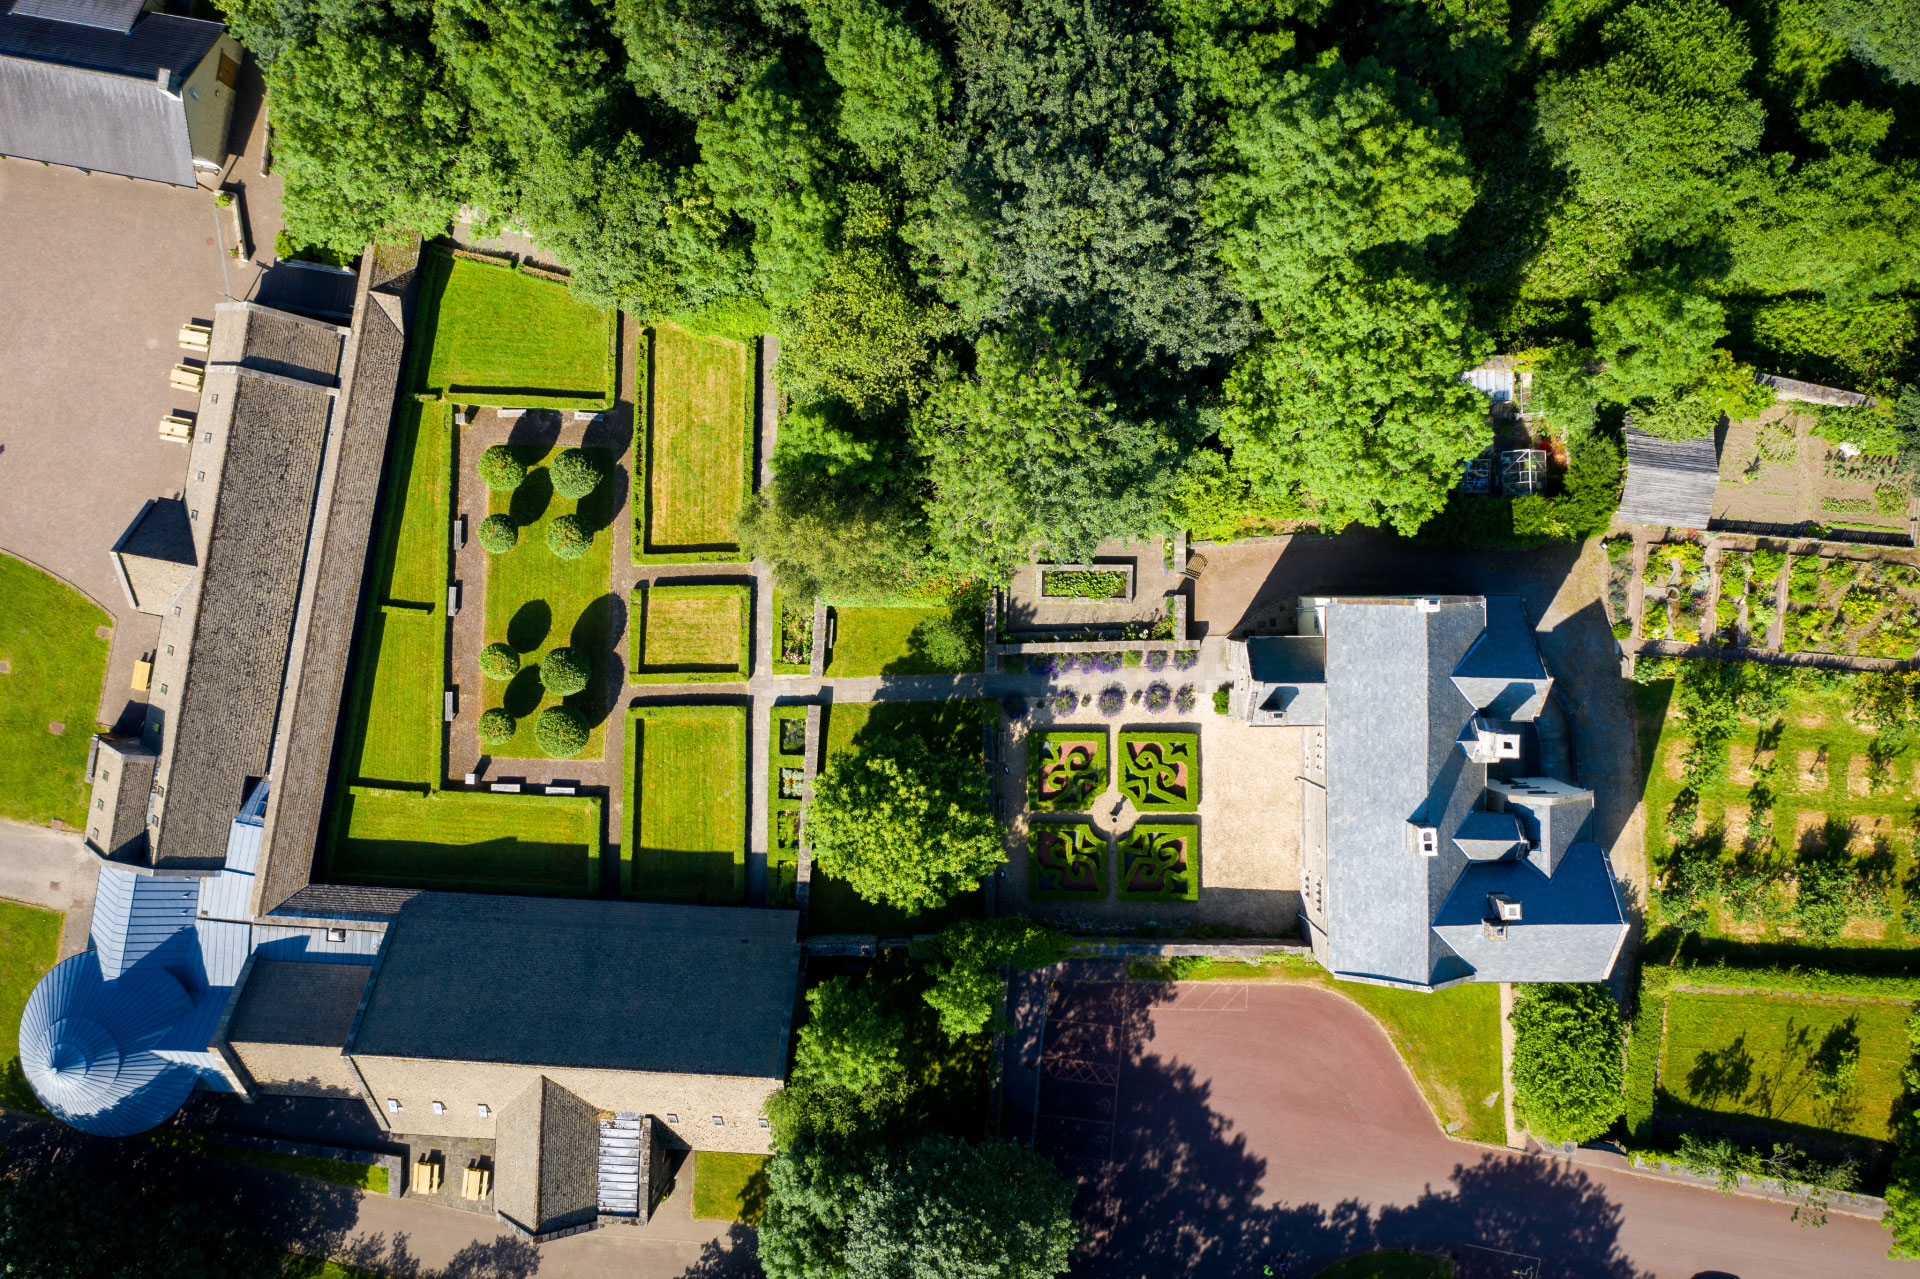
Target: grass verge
{"points": [[29, 943], [55, 664], [686, 804], [371, 1178], [507, 339], [728, 1187]]}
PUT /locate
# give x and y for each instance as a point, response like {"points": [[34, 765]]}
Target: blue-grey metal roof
{"points": [[139, 917], [88, 1046], [1570, 928], [1502, 674], [1393, 715], [108, 15], [101, 100]]}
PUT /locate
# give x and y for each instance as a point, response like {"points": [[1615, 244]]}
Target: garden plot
{"points": [[1160, 772], [1745, 601], [1066, 770], [1785, 479], [1619, 584], [1677, 583], [1067, 861], [1798, 832], [690, 634], [1865, 607], [537, 602], [1160, 862], [505, 338], [685, 790], [936, 639], [786, 782], [467, 841], [792, 635], [698, 445]]}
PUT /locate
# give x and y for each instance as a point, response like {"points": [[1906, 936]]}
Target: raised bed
{"points": [[1086, 583]]}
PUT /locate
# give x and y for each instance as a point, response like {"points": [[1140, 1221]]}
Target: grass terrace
{"points": [[685, 789], [832, 907], [728, 1187], [690, 634], [537, 602], [890, 640], [55, 662], [29, 944], [698, 444], [508, 339], [475, 841]]}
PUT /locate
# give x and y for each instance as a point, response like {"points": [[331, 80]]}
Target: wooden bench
{"points": [[185, 377], [196, 337], [176, 428]]}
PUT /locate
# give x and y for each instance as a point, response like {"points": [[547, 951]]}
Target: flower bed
{"points": [[1865, 607], [1067, 862], [1067, 771], [1097, 584], [1160, 863], [1160, 772]]}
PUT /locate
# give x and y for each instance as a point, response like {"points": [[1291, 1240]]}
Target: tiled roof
{"points": [[108, 15], [269, 341], [590, 984], [297, 1003]]}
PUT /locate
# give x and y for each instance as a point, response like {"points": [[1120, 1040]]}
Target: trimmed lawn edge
{"points": [[640, 673], [644, 551]]}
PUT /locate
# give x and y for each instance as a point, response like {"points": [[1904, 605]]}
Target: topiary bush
{"points": [[496, 726], [563, 672], [499, 534], [501, 468], [499, 661], [1567, 1071], [561, 731], [567, 539], [576, 473]]}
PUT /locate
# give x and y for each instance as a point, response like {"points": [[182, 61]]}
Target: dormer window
{"points": [[1426, 840], [1503, 908]]}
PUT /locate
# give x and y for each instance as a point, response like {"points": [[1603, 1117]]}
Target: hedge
{"points": [[1066, 861], [1644, 1040], [564, 672], [1087, 782], [1150, 784], [1150, 869], [499, 661], [1797, 980], [561, 731], [498, 534]]}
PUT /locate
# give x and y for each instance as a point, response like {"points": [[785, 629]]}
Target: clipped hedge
{"points": [[1066, 861], [1160, 863], [1160, 772], [496, 726], [1082, 584], [498, 534], [1079, 773], [1644, 1040], [568, 538], [501, 468], [576, 473], [561, 731], [1814, 981]]}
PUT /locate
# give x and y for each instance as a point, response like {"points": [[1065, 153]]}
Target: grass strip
{"points": [[371, 1178], [55, 663], [690, 634], [29, 944], [697, 445], [729, 1187], [507, 339], [475, 841], [687, 804], [872, 640]]}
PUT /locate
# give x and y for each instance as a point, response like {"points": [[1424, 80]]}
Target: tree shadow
{"points": [[734, 1257], [1720, 1072], [596, 511], [600, 624], [524, 693], [531, 500], [530, 625]]}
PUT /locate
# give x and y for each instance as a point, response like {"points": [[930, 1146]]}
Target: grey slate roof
{"points": [[109, 15], [286, 1002], [1502, 674], [157, 555], [248, 590], [1669, 484], [1287, 659], [1570, 929], [269, 341], [550, 982], [307, 288], [91, 98], [1485, 836]]}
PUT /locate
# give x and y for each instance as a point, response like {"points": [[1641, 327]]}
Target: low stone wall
{"points": [[394, 1164]]}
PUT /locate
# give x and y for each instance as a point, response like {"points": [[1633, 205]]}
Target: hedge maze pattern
{"points": [[1068, 861], [1160, 863], [1160, 772], [1066, 772]]}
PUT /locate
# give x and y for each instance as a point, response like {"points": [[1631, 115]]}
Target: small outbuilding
{"points": [[1670, 483]]}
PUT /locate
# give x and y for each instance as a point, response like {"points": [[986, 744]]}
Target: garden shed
{"points": [[1670, 483]]}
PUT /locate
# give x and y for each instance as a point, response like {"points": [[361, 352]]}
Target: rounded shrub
{"points": [[499, 661], [563, 672], [502, 468], [567, 539], [498, 533], [496, 726], [561, 731], [576, 473]]}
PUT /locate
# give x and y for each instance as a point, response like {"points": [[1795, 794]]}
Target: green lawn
{"points": [[1390, 1265], [1450, 1039], [1759, 1055], [504, 338], [55, 664], [728, 1187], [1822, 798], [298, 1267], [29, 941], [686, 804], [881, 641], [699, 444], [832, 907], [466, 840], [690, 634], [393, 718], [538, 602]]}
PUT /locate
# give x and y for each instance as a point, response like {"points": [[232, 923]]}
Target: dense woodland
{"points": [[1051, 270]]}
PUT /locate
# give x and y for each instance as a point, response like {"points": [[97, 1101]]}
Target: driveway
{"points": [[1215, 1126], [98, 276]]}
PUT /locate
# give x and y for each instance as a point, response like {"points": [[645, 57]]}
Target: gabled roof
{"points": [[1570, 928], [699, 990], [140, 50], [1670, 483], [1486, 837], [1501, 675]]}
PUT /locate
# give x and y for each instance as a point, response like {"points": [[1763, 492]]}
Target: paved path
{"points": [[50, 868], [1241, 1121]]}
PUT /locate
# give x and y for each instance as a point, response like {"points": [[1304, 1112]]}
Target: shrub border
{"points": [[1098, 844], [1192, 802], [1036, 753], [641, 606]]}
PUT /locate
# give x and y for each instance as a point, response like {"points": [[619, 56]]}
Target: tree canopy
{"points": [[1567, 1066]]}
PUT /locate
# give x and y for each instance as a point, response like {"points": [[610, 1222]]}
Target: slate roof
{"points": [[1669, 483], [90, 97], [1287, 659], [1571, 925], [248, 590], [308, 288], [287, 1002], [1502, 674], [109, 15], [1485, 836], [700, 990], [157, 555], [269, 341]]}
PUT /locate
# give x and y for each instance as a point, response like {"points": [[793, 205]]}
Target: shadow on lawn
{"points": [[598, 633], [530, 626], [531, 500]]}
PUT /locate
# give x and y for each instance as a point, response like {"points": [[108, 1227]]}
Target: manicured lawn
{"points": [[55, 666], [832, 907], [29, 941], [538, 602], [686, 804], [729, 1187], [1390, 1265], [1823, 796], [505, 338], [1758, 1055], [699, 444], [881, 641], [477, 841], [690, 634], [393, 721]]}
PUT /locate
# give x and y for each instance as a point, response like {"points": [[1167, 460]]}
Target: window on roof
{"points": [[393, 1105]]}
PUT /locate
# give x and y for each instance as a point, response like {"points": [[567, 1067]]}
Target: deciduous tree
{"points": [[1567, 1068]]}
